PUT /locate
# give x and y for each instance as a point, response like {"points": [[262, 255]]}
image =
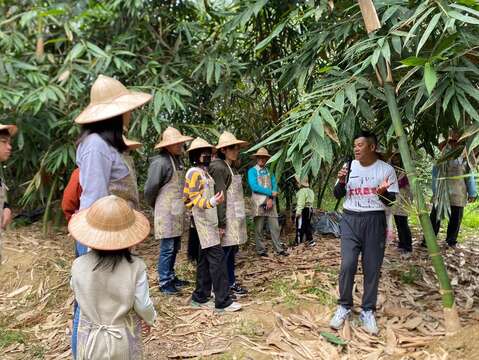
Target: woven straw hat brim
{"points": [[12, 129], [132, 144], [120, 105], [179, 140], [254, 156], [200, 147], [97, 239], [241, 143]]}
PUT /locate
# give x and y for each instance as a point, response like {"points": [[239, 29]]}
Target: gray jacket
{"points": [[160, 172]]}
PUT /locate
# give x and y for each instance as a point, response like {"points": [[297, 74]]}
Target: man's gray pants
{"points": [[365, 233], [274, 230]]}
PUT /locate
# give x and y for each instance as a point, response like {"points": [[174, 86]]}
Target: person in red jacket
{"points": [[71, 195]]}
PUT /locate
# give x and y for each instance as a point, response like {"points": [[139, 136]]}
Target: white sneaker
{"points": [[368, 321], [339, 317], [234, 306]]}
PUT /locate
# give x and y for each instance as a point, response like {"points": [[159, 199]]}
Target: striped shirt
{"points": [[193, 192]]}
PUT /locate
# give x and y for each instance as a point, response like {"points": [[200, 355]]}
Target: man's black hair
{"points": [[371, 137], [5, 132]]}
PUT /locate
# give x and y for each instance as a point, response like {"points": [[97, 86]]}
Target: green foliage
{"points": [[411, 275], [297, 76], [9, 337]]}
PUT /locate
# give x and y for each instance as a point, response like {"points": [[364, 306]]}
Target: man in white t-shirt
{"points": [[370, 185]]}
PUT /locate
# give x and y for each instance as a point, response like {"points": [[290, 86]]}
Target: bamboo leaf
{"points": [[430, 28], [317, 124], [464, 18], [430, 77], [412, 32], [414, 61], [333, 338], [326, 115], [277, 30], [396, 42], [351, 94]]}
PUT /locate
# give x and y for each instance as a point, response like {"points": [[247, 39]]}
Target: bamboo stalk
{"points": [[452, 321], [46, 215]]}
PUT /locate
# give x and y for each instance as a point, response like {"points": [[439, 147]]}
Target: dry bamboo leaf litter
{"points": [[35, 301]]}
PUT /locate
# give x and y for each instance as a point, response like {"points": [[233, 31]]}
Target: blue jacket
{"points": [[255, 186]]}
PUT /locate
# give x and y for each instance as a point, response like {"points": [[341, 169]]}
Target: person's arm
{"points": [[143, 305], [339, 190], [471, 187], [388, 196], [71, 197], [274, 184], [222, 177], [193, 192], [159, 173], [300, 201], [435, 173], [255, 186]]}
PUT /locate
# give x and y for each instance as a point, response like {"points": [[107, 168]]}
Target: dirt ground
{"points": [[285, 316]]}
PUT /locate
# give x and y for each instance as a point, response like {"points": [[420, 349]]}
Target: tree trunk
{"points": [[450, 312]]}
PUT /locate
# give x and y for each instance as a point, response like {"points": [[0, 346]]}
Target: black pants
{"points": [[454, 225], [404, 232], [365, 233], [211, 272], [230, 259], [306, 229]]}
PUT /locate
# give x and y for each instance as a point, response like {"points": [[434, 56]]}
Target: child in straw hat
{"points": [[109, 282], [164, 192], [200, 197], [103, 170], [6, 133], [304, 212]]}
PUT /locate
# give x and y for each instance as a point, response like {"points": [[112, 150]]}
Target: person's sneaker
{"points": [[368, 321], [232, 294], [210, 304], [283, 253], [234, 306], [238, 290], [311, 243], [180, 283], [169, 289], [339, 317]]}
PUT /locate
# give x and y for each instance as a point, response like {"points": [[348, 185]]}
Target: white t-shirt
{"points": [[362, 185]]}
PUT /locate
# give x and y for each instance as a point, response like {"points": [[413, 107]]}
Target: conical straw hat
{"points": [[12, 129], [172, 136], [109, 98], [199, 143], [228, 139], [109, 224], [132, 144], [261, 152]]}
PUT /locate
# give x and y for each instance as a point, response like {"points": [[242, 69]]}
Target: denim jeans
{"points": [[80, 249], [230, 254], [169, 247], [76, 320]]}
